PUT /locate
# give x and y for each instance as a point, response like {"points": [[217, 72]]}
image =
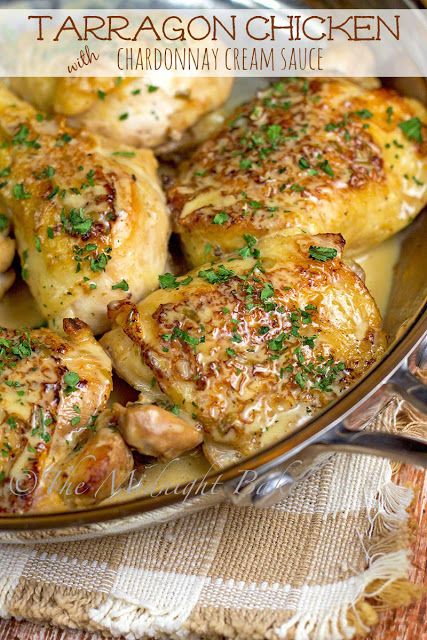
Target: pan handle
{"points": [[377, 443]]}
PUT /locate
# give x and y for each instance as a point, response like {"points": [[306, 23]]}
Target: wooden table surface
{"points": [[401, 624]]}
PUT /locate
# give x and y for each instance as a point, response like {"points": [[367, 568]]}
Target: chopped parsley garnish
{"points": [[276, 344], [169, 281], [323, 254], [47, 172], [300, 379], [75, 222], [151, 88], [412, 129], [65, 138], [123, 116], [21, 137], [5, 172], [184, 336], [220, 218], [100, 262], [308, 341], [326, 167], [267, 291], [53, 193], [249, 250], [22, 349], [298, 188], [90, 178], [364, 114], [101, 94], [327, 374], [15, 349], [274, 133], [305, 317], [19, 192], [11, 422], [71, 380], [90, 253], [389, 112], [4, 222], [221, 274], [245, 164], [41, 424], [123, 285]]}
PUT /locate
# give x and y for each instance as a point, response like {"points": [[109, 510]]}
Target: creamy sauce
{"points": [[18, 309], [378, 266]]}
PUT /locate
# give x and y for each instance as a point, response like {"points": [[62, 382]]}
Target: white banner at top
{"points": [[93, 43]]}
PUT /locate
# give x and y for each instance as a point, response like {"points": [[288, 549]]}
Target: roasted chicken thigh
{"points": [[89, 216], [152, 111], [305, 155], [250, 346], [55, 452]]}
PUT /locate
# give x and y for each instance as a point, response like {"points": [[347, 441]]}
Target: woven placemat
{"points": [[316, 566]]}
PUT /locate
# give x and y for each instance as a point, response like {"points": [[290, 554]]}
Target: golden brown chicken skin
{"points": [[253, 345], [52, 389], [89, 217], [309, 155], [154, 111]]}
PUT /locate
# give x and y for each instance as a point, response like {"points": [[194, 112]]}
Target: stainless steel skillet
{"points": [[269, 475]]}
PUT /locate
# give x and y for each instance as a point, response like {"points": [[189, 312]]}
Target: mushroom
{"points": [[153, 431]]}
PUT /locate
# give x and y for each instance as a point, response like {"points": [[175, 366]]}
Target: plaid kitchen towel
{"points": [[316, 566]]}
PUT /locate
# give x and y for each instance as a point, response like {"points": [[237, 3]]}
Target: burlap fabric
{"points": [[316, 566]]}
